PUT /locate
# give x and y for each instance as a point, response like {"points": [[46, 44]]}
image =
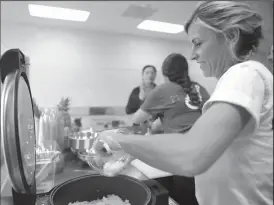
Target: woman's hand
{"points": [[157, 126], [144, 91], [106, 141], [142, 94], [110, 154]]}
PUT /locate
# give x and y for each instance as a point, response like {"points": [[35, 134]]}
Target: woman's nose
{"points": [[270, 57], [194, 56]]}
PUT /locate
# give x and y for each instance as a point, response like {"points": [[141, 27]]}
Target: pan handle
{"points": [[158, 192]]}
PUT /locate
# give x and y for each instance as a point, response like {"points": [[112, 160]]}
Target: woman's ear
{"points": [[233, 35], [232, 38]]}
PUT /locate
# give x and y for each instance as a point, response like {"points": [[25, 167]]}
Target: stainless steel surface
{"points": [[81, 141], [17, 123], [7, 125], [1, 149], [26, 130]]}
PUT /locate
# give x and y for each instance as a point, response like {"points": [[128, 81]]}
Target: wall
{"points": [[99, 69], [3, 47], [93, 68], [265, 8]]}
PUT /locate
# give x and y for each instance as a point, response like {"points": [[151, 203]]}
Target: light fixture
{"points": [[57, 13], [160, 26]]}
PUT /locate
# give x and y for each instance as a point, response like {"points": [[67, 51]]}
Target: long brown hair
{"points": [[175, 68]]}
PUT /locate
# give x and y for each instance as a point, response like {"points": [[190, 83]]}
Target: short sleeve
{"points": [[241, 85], [134, 101], [203, 92], [159, 99]]}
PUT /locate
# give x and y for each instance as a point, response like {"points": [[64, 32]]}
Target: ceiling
{"points": [[105, 15]]}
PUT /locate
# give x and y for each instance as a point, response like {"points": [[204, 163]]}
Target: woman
{"points": [[177, 102], [77, 125], [139, 93], [270, 56], [229, 149]]}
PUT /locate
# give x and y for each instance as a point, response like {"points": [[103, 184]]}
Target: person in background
{"points": [[229, 149], [270, 57], [77, 125], [139, 93], [177, 104]]}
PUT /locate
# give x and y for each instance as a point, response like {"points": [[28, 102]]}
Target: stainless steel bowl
{"points": [[81, 141]]}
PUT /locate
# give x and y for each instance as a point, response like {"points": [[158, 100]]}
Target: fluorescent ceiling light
{"points": [[57, 13], [160, 26]]}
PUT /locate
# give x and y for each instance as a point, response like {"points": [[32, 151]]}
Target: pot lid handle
{"points": [[9, 62]]}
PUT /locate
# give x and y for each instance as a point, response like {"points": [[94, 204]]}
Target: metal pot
{"points": [[93, 187]]}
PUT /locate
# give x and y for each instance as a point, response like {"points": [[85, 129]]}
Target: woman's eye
{"points": [[197, 44]]}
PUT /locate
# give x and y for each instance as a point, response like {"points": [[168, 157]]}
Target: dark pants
{"points": [[181, 189]]}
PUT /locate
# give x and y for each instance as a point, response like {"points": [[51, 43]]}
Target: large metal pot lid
{"points": [[17, 122]]}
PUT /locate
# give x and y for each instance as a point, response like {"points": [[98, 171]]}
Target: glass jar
{"points": [[49, 141], [47, 160]]}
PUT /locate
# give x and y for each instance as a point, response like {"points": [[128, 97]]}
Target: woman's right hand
{"points": [[106, 140], [157, 126], [110, 153], [142, 92]]}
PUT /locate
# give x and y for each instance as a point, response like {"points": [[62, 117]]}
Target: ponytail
{"points": [[193, 96], [175, 68]]}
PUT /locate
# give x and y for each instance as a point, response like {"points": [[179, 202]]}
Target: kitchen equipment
{"points": [[106, 161], [81, 141], [17, 127], [51, 128], [94, 187], [1, 149], [45, 172]]}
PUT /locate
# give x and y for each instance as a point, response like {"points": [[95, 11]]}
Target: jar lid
{"points": [[17, 122]]}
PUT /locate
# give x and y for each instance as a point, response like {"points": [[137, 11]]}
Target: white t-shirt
{"points": [[243, 175]]}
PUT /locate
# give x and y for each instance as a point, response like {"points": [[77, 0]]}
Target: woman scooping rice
{"points": [[229, 149]]}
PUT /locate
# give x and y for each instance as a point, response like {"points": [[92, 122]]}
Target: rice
{"points": [[109, 200], [113, 168]]}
